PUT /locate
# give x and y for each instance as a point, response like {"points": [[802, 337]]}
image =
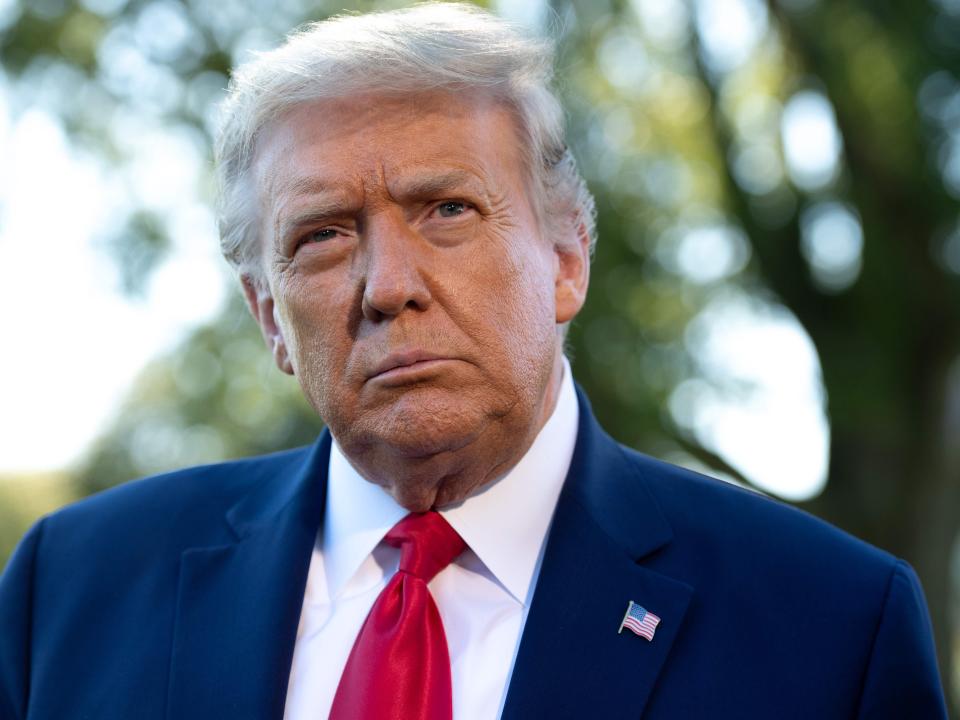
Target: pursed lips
{"points": [[404, 359]]}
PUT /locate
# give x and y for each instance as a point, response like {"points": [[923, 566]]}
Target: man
{"points": [[465, 541]]}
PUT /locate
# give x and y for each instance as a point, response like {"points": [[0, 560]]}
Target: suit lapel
{"points": [[571, 661], [239, 604]]}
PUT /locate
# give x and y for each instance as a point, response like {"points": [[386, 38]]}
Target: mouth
{"points": [[408, 366]]}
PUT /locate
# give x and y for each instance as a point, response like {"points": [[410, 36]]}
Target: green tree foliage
{"points": [[218, 395], [675, 137]]}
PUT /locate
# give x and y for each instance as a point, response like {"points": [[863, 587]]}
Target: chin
{"points": [[425, 424], [427, 435]]}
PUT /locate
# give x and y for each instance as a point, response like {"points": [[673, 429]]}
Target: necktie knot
{"points": [[427, 544]]}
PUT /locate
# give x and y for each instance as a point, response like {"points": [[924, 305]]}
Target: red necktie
{"points": [[399, 668]]}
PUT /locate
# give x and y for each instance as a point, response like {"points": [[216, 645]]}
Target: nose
{"points": [[394, 278]]}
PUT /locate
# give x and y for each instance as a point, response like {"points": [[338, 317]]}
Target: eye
{"points": [[320, 235], [451, 208]]}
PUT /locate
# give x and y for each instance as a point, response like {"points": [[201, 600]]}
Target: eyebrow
{"points": [[432, 183], [317, 213]]}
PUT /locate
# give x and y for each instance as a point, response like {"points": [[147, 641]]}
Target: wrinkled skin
{"points": [[409, 286]]}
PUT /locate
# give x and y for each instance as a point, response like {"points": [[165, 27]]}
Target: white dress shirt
{"points": [[483, 596]]}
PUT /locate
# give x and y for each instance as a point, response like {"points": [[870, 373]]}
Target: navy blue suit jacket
{"points": [[178, 597]]}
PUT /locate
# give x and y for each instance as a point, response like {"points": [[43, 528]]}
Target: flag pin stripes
{"points": [[639, 621]]}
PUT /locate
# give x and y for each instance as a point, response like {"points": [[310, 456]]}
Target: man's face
{"points": [[409, 285]]}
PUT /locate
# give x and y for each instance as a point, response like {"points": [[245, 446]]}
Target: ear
{"points": [[573, 271], [260, 303]]}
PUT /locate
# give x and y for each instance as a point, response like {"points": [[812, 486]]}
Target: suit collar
{"points": [[301, 488], [611, 490], [571, 661]]}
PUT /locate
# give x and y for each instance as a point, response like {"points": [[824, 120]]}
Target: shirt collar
{"points": [[505, 524]]}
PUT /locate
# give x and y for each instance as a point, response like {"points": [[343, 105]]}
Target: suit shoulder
{"points": [[190, 497], [744, 522]]}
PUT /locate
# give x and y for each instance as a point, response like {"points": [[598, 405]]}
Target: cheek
{"points": [[532, 278], [314, 328], [521, 297]]}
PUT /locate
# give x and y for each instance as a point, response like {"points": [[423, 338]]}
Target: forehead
{"points": [[371, 139]]}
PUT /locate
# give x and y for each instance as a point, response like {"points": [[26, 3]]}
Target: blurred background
{"points": [[775, 298]]}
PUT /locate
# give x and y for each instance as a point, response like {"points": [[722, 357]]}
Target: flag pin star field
{"points": [[639, 621]]}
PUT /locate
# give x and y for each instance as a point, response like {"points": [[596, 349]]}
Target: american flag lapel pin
{"points": [[639, 621]]}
